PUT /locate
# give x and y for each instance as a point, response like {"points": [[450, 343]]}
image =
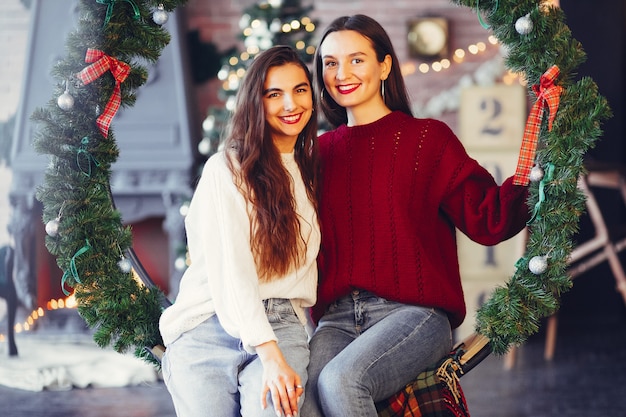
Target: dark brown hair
{"points": [[276, 241], [396, 96]]}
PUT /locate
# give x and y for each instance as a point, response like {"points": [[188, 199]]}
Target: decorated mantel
{"points": [[94, 248]]}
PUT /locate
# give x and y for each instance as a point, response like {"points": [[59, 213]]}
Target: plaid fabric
{"points": [[436, 392], [547, 93], [101, 64]]}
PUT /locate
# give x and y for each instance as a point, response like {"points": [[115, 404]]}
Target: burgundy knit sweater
{"points": [[392, 193]]}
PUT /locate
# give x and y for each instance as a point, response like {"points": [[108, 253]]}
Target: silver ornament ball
{"points": [[536, 174], [160, 16], [538, 265], [65, 101], [52, 227], [124, 265], [524, 25]]}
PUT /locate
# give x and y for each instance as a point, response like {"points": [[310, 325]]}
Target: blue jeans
{"points": [[365, 349], [208, 372]]}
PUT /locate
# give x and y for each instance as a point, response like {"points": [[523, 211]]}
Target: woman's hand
{"points": [[280, 380]]}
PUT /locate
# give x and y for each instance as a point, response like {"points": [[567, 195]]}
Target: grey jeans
{"points": [[208, 372], [367, 348]]}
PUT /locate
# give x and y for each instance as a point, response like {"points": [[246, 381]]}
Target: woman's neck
{"points": [[285, 145], [365, 115]]}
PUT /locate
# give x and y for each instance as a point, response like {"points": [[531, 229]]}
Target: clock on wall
{"points": [[428, 37]]}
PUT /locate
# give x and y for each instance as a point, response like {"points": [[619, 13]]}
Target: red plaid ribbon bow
{"points": [[547, 93], [101, 64]]}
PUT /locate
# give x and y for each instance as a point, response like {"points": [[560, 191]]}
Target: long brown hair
{"points": [[396, 96], [276, 241]]}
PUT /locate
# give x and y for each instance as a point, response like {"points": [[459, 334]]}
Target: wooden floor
{"points": [[586, 377]]}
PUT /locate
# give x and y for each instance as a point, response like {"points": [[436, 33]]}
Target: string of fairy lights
{"points": [[459, 56], [30, 321], [67, 303]]}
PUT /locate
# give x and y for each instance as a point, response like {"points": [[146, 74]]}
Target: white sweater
{"points": [[222, 278]]}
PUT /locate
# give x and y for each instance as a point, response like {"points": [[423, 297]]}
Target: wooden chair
{"points": [[605, 245]]}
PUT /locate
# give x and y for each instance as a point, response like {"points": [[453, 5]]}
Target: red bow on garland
{"points": [[120, 70], [547, 93]]}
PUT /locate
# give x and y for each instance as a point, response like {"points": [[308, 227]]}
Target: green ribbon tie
{"points": [[83, 154], [72, 269], [111, 3], [480, 19], [542, 195]]}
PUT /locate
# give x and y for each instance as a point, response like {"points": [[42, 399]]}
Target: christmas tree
{"points": [[263, 25]]}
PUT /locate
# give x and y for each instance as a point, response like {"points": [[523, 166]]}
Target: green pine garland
{"points": [[514, 312], [92, 246]]}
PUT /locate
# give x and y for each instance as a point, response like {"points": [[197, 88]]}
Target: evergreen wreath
{"points": [[537, 38], [101, 71], [94, 249]]}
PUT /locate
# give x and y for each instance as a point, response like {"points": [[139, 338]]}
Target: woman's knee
{"points": [[334, 381]]}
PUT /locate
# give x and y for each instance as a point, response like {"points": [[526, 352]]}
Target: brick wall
{"points": [[218, 22]]}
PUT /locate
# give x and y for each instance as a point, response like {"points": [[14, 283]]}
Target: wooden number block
{"points": [[491, 126], [492, 117]]}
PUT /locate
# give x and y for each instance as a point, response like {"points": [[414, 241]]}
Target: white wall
{"points": [[14, 20]]}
